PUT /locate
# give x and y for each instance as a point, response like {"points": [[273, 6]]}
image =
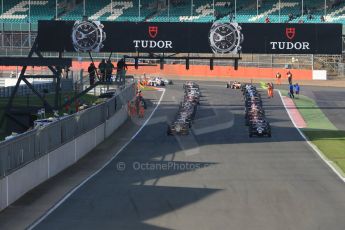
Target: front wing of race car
{"points": [[174, 129], [259, 131]]}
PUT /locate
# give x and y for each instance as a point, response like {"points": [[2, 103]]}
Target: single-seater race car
{"points": [[178, 128], [191, 90], [158, 81], [186, 117], [260, 128], [234, 85], [190, 84]]}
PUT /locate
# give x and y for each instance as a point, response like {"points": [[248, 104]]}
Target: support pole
{"points": [[169, 10], [191, 8], [325, 8], [29, 22], [111, 6], [257, 7], [139, 11], [302, 8], [213, 11], [46, 104], [111, 54], [279, 10], [57, 86], [2, 24], [95, 66]]}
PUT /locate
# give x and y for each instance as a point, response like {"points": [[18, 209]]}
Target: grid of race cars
{"points": [[254, 112], [187, 110]]}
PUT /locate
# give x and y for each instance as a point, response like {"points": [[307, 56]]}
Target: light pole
{"points": [[139, 11], [191, 8], [84, 8], [169, 10], [257, 7], [111, 7], [279, 10], [213, 11], [2, 24], [325, 7], [302, 8], [29, 22]]}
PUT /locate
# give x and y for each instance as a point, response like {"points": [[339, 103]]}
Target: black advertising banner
{"points": [[218, 38]]}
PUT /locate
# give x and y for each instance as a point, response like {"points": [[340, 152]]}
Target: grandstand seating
{"points": [[106, 10], [17, 11]]}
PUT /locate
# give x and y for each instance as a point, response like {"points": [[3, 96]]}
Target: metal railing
{"points": [[26, 147]]}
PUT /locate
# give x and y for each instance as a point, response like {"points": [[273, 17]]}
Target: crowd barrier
{"points": [[33, 157]]}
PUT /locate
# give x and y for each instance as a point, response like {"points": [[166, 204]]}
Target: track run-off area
{"points": [[215, 178]]}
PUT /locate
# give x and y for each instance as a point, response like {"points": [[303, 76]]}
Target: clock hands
{"points": [[220, 38], [90, 32], [82, 35]]}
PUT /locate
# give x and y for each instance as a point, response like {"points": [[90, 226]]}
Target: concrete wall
{"points": [[115, 121], [3, 194], [16, 184], [26, 178]]}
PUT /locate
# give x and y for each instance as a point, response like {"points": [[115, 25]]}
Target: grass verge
{"points": [[148, 88], [321, 131]]}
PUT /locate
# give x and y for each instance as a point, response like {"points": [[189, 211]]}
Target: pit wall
{"points": [[22, 180], [225, 72], [221, 72], [179, 70]]}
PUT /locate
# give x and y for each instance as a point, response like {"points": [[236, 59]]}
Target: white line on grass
{"points": [[66, 196], [314, 147]]}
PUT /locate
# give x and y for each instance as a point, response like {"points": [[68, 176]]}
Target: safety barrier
{"points": [[37, 155], [29, 146]]}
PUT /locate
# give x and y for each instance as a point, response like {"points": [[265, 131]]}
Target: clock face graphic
{"points": [[225, 38], [88, 36]]}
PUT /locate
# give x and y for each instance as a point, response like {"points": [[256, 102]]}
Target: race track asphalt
{"points": [[237, 182], [331, 101]]}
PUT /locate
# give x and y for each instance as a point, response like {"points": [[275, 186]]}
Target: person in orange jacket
{"points": [[129, 108], [270, 90], [133, 109], [141, 110], [279, 78]]}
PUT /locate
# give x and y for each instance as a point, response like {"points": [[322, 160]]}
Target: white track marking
{"points": [[66, 196], [314, 147]]}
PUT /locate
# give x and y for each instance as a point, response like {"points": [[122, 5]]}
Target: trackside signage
{"points": [[217, 37]]}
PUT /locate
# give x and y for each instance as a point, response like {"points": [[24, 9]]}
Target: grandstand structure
{"points": [[19, 19], [308, 11]]}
